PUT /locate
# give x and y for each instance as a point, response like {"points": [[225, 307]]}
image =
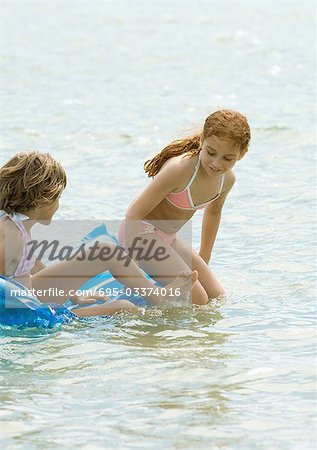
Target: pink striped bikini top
{"points": [[26, 263], [183, 199]]}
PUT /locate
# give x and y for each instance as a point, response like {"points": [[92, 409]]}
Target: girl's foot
{"points": [[179, 288]]}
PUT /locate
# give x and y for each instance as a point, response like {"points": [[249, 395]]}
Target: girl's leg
{"points": [[107, 309], [164, 271], [71, 275], [205, 276]]}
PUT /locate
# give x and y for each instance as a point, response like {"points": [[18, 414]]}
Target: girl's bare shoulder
{"points": [[182, 161], [11, 246], [229, 180], [10, 233], [181, 167]]}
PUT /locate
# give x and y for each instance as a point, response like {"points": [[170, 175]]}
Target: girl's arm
{"points": [[11, 248], [164, 182], [212, 218]]}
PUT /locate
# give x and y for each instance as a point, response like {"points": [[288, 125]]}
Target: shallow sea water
{"points": [[103, 86]]}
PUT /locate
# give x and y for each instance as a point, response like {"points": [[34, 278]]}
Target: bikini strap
{"points": [[221, 182], [195, 172], [17, 219]]}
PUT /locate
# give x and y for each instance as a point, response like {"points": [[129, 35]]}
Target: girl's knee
{"points": [[202, 297], [215, 291], [210, 283], [199, 295]]}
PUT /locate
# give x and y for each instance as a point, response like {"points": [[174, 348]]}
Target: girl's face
{"points": [[219, 155]]}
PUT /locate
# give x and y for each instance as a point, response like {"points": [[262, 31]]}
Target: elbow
{"points": [[133, 214]]}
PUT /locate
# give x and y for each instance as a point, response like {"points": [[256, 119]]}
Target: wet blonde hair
{"points": [[30, 179], [225, 124]]}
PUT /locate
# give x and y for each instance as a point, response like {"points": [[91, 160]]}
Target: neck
{"points": [[32, 218]]}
